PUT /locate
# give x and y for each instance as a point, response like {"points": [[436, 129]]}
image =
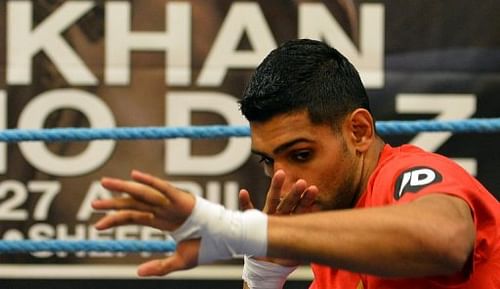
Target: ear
{"points": [[360, 129]]}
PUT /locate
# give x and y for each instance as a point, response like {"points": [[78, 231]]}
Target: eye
{"points": [[268, 164], [301, 156], [266, 161]]}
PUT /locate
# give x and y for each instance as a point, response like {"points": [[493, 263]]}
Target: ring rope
{"points": [[18, 246], [215, 131], [122, 133], [486, 125]]}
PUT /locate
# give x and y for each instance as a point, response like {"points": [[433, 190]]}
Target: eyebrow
{"points": [[283, 146]]}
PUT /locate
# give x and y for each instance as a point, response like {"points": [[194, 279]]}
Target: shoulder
{"points": [[418, 165], [409, 157], [407, 172]]}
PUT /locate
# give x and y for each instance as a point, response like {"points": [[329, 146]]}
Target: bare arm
{"points": [[433, 235]]}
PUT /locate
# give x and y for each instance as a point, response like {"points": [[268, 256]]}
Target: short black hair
{"points": [[304, 74]]}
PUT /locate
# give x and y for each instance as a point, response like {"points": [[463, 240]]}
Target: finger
{"points": [[124, 218], [274, 194], [245, 202], [183, 201], [135, 190], [292, 198], [307, 200], [171, 192], [125, 203]]}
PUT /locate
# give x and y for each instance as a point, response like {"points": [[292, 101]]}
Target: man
{"points": [[365, 214]]}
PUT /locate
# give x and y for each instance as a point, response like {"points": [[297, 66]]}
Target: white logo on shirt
{"points": [[415, 179]]}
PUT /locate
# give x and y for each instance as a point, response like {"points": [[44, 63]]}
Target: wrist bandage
{"points": [[224, 233], [265, 275], [188, 230]]}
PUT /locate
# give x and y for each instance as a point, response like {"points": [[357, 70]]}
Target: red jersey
{"points": [[404, 174]]}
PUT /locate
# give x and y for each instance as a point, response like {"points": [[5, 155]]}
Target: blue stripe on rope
{"points": [[122, 133], [490, 125], [18, 246], [222, 131]]}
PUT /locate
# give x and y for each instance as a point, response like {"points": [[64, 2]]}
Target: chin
{"points": [[335, 204]]}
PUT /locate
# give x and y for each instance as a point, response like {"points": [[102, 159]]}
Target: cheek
{"points": [[336, 182], [327, 175], [328, 182]]}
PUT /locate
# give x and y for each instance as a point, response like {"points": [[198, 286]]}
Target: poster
{"points": [[175, 63]]}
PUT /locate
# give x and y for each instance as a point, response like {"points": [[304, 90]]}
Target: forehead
{"points": [[286, 128]]}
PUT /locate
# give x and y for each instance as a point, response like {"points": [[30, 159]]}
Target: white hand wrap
{"points": [[224, 233], [265, 275], [187, 231]]}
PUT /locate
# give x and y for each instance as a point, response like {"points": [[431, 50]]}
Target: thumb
{"points": [[162, 267], [186, 257], [245, 202], [155, 268]]}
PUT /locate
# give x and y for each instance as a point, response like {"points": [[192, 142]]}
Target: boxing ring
{"points": [[486, 125], [27, 246]]}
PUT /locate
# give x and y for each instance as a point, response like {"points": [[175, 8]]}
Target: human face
{"points": [[315, 153]]}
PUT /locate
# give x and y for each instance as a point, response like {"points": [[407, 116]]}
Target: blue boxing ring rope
{"points": [[486, 125], [18, 246]]}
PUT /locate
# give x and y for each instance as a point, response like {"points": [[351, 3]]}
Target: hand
{"points": [[300, 199], [185, 257], [152, 202]]}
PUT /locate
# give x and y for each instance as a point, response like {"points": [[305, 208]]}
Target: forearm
{"points": [[387, 241]]}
